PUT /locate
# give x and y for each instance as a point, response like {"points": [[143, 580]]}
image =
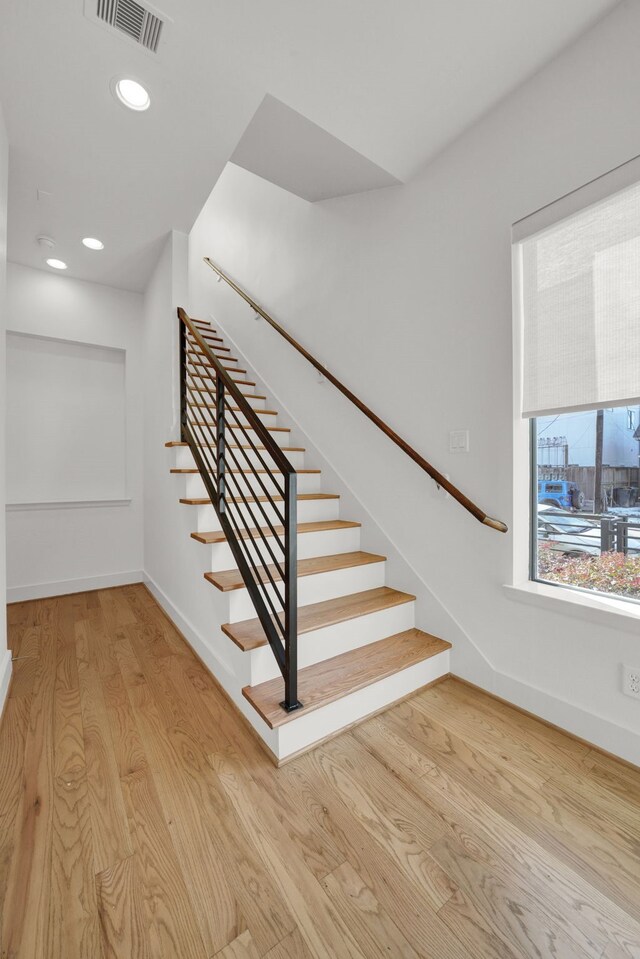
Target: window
{"points": [[579, 286]]}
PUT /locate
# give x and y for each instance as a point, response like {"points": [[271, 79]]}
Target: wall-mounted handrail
{"points": [[435, 475], [268, 568]]}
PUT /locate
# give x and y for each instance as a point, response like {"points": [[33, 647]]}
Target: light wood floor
{"points": [[139, 818]]}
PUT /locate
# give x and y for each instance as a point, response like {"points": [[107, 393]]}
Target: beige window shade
{"points": [[580, 285]]}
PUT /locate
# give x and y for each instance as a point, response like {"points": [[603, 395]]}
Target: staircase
{"points": [[355, 648]]}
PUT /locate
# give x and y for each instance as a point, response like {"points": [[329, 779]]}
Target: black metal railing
{"points": [[588, 534], [252, 486]]}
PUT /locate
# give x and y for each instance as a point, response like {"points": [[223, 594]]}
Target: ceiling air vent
{"points": [[136, 21]]}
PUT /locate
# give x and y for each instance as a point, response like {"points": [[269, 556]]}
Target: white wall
{"points": [[406, 294], [58, 547], [5, 656]]}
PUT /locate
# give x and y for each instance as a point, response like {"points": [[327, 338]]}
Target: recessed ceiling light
{"points": [[57, 264], [132, 94], [92, 243]]}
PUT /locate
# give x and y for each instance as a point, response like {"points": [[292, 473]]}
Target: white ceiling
{"points": [[394, 82]]}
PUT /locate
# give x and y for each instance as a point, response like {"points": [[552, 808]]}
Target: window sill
{"points": [[610, 613]]}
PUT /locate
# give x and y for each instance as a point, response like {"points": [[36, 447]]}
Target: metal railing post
{"points": [[183, 380], [622, 535], [606, 535], [220, 440], [291, 701]]}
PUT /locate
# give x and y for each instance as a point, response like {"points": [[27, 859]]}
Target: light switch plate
{"points": [[459, 441]]}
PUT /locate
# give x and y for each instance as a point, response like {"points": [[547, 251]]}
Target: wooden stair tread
{"points": [[194, 347], [204, 501], [249, 634], [217, 536], [230, 579], [232, 446], [237, 382], [239, 472], [247, 426], [205, 358], [328, 681], [231, 369], [236, 409]]}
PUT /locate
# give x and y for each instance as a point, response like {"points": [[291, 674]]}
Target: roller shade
{"points": [[580, 296]]}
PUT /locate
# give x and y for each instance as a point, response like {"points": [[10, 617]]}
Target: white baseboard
{"points": [[20, 594], [5, 677]]}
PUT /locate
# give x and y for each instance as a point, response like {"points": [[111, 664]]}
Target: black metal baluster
{"points": [[231, 501], [291, 700], [220, 443], [183, 381]]}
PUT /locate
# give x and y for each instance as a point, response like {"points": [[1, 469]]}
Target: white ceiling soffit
{"points": [[282, 146]]}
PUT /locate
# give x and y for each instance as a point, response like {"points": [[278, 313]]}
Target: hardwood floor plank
{"points": [[560, 750], [111, 839], [574, 833], [472, 929], [73, 930], [405, 900], [509, 912], [451, 826], [241, 948], [26, 905], [125, 737], [26, 644], [186, 814], [174, 929], [123, 923], [320, 924], [402, 825], [23, 677], [13, 735], [469, 811], [292, 945], [373, 930]]}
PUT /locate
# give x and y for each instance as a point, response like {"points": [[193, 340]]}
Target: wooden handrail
{"points": [[435, 475]]}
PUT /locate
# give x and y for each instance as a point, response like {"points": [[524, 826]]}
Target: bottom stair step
{"points": [[335, 678]]}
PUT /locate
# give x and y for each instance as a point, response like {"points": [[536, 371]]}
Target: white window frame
{"points": [[616, 613]]}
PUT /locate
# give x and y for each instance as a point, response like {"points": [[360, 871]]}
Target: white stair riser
{"points": [[184, 459], [208, 414], [325, 543], [267, 418], [312, 589], [238, 437], [257, 404], [252, 485], [309, 511], [321, 644], [316, 725]]}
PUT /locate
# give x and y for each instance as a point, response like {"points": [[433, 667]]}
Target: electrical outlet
{"points": [[631, 681]]}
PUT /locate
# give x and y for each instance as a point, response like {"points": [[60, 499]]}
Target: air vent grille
{"points": [[133, 19]]}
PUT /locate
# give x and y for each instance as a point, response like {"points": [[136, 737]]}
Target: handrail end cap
{"points": [[496, 524]]}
